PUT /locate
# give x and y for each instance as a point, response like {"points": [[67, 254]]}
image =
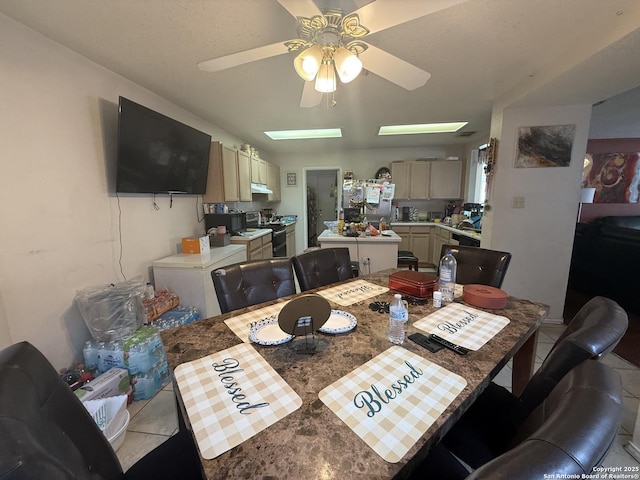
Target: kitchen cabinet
{"points": [[291, 240], [441, 237], [445, 180], [411, 179], [260, 248], [258, 171], [427, 179], [257, 248], [273, 182], [244, 176], [417, 239], [227, 179]]}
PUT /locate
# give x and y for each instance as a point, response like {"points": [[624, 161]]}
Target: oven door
{"points": [[279, 241]]}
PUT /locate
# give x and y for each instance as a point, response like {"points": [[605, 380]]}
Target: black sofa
{"points": [[606, 260]]}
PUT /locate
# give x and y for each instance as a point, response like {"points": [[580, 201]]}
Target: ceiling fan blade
{"points": [[310, 96], [393, 68], [300, 8], [240, 58], [383, 14]]}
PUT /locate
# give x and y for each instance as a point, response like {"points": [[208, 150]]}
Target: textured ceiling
{"points": [[518, 52]]}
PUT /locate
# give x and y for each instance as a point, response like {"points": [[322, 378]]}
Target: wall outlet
{"points": [[517, 202], [366, 260]]}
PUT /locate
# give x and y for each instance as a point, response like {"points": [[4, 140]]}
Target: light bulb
{"points": [[326, 79], [308, 62], [348, 65]]}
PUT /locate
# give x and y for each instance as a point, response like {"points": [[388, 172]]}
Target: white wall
{"points": [[540, 236], [60, 217]]}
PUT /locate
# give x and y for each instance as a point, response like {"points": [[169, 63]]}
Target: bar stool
{"points": [[407, 259]]}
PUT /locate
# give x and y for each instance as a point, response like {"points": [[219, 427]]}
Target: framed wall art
{"points": [[544, 146], [292, 179]]}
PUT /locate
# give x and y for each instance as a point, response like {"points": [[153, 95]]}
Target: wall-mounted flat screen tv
{"points": [[157, 154]]}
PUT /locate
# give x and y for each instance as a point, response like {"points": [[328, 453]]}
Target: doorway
{"points": [[322, 198]]}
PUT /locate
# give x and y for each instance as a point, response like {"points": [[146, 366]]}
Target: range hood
{"points": [[259, 188]]}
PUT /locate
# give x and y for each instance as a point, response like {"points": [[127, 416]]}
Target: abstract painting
{"points": [[615, 176], [545, 146]]}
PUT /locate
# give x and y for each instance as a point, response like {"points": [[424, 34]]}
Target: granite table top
{"points": [[313, 442]]}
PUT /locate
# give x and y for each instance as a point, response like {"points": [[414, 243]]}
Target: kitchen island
{"points": [[374, 253]]}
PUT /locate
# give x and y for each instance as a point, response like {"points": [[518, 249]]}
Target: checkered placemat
{"points": [[349, 293], [463, 325], [232, 395], [392, 400], [241, 324]]}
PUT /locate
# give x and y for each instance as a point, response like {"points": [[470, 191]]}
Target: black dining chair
{"points": [[497, 413], [569, 433], [479, 265], [248, 283], [323, 266], [46, 432]]}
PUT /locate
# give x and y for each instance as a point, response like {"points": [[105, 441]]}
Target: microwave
{"points": [[235, 222]]}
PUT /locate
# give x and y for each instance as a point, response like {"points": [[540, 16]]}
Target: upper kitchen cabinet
{"points": [[446, 179], [273, 182], [426, 179], [229, 175], [411, 179], [258, 171]]}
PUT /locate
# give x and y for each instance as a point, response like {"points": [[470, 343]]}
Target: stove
{"points": [[278, 238]]}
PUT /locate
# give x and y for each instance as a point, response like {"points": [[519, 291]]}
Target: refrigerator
{"points": [[374, 196]]}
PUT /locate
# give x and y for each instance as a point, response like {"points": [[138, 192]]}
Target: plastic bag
{"points": [[112, 312]]}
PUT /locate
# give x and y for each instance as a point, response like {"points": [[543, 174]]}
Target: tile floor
{"points": [[153, 421]]}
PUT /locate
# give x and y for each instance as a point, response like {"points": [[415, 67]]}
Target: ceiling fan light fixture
{"points": [[347, 64], [308, 62], [326, 79]]}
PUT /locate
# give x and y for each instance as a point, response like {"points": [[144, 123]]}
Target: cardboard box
{"points": [[113, 382], [196, 244]]}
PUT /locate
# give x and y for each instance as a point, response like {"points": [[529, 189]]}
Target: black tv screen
{"points": [[157, 154]]}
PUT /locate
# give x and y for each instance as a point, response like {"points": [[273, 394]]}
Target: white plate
{"points": [[339, 322], [268, 332]]}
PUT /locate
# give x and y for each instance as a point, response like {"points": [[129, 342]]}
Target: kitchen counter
{"points": [[189, 276], [250, 234], [468, 233], [374, 253], [199, 261]]}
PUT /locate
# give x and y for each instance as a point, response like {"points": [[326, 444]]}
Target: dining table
{"points": [[314, 441]]}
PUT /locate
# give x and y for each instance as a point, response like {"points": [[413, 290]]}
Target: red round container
{"points": [[484, 296]]}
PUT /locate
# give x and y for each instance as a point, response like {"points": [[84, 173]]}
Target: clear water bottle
{"points": [[447, 272], [398, 317]]}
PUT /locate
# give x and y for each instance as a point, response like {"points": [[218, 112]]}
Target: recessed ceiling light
{"points": [[304, 134], [421, 128]]}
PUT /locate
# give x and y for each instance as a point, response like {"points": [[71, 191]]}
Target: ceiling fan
{"points": [[331, 40]]}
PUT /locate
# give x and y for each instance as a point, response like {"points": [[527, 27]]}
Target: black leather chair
{"points": [[324, 266], [479, 265], [46, 432], [482, 431], [249, 283], [569, 433]]}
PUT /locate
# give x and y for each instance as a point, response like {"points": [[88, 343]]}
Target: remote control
{"points": [[451, 346], [425, 342]]}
